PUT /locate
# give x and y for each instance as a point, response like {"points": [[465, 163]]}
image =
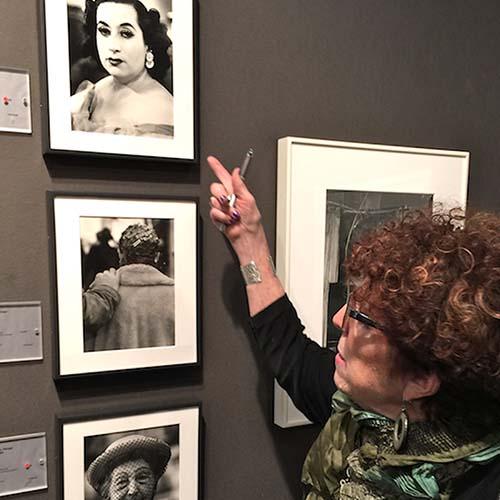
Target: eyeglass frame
{"points": [[359, 316]]}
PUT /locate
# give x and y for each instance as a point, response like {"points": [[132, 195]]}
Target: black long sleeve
{"points": [[303, 368]]}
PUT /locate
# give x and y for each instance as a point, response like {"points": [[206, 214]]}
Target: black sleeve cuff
{"points": [[271, 312]]}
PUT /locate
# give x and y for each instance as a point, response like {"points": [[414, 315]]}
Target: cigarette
{"points": [[246, 163]]}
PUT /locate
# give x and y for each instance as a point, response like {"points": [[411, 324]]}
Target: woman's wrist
{"points": [[252, 247], [256, 263]]}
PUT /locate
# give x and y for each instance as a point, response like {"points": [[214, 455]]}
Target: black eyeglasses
{"points": [[359, 316]]}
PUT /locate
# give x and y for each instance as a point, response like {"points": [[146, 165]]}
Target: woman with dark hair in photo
{"points": [[410, 402], [129, 45]]}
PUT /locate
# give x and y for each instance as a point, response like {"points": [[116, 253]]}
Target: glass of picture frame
{"points": [[126, 281], [152, 451], [345, 187], [122, 79]]}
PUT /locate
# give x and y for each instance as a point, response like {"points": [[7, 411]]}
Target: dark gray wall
{"points": [[413, 72]]}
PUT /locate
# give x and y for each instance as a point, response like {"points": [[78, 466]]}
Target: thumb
{"points": [[240, 188]]}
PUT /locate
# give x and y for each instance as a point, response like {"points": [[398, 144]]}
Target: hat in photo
{"points": [[154, 451]]}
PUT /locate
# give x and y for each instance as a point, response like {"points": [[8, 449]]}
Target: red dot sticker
{"points": [[27, 466]]}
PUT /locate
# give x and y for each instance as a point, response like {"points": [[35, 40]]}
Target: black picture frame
{"points": [[81, 435], [116, 140], [73, 357]]}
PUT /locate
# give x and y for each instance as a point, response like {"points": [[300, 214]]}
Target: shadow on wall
{"points": [[291, 444]]}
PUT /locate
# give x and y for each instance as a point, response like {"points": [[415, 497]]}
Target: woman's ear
{"points": [[421, 385]]}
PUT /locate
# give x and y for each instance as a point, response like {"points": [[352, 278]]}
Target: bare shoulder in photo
{"points": [[121, 67], [122, 79]]}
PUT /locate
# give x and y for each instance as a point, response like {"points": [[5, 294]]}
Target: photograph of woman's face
{"points": [[132, 479], [120, 41]]}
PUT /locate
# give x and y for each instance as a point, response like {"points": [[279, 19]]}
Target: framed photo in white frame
{"points": [[151, 451], [126, 279], [122, 78], [331, 183]]}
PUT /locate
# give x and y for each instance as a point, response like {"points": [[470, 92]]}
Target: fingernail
{"points": [[223, 199], [235, 215]]}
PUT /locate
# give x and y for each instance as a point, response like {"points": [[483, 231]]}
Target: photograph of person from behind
{"points": [[121, 82], [134, 306]]}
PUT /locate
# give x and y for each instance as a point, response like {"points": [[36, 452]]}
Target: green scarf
{"points": [[354, 443]]}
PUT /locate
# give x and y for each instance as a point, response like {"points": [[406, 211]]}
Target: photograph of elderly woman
{"points": [[120, 58], [348, 215], [128, 292], [142, 464]]}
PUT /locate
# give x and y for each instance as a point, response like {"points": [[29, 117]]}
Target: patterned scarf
{"points": [[353, 457]]}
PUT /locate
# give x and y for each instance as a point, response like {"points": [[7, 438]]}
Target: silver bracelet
{"points": [[251, 273]]}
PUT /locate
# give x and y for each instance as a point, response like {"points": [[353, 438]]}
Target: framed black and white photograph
{"points": [[122, 78], [126, 274], [348, 215], [147, 455], [346, 188]]}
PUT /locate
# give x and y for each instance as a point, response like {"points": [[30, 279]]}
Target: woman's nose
{"points": [[132, 488], [338, 317], [114, 43]]}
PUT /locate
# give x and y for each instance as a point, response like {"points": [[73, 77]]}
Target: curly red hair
{"points": [[434, 280]]}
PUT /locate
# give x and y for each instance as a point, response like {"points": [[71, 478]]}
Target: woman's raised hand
{"points": [[239, 220]]}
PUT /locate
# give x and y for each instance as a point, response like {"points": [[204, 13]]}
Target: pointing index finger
{"points": [[221, 173]]}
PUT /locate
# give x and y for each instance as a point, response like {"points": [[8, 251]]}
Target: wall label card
{"points": [[23, 464], [15, 105], [20, 331]]}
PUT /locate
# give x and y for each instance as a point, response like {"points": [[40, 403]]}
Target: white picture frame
{"points": [[307, 169], [63, 136], [82, 437], [73, 357]]}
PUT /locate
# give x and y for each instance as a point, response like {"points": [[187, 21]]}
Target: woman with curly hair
{"points": [[130, 45], [410, 402]]}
